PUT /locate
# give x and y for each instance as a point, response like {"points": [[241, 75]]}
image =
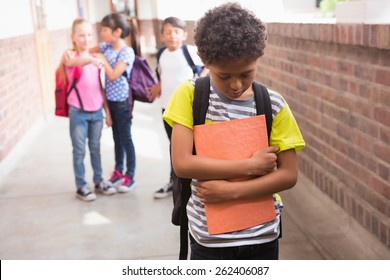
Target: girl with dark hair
{"points": [[119, 59]]}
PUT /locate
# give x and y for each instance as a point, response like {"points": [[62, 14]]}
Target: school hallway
{"points": [[43, 220]]}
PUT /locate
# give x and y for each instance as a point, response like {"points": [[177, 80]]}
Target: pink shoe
{"points": [[127, 185], [116, 179]]}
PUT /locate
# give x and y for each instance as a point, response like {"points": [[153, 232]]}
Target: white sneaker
{"points": [[85, 194], [105, 187]]}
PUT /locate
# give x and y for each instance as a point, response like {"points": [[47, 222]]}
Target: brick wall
{"points": [[20, 101], [21, 104], [336, 79]]}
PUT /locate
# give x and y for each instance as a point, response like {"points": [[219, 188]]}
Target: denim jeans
{"points": [[121, 132], [85, 125], [265, 251]]}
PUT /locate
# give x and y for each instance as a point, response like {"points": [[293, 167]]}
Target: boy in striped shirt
{"points": [[230, 40]]}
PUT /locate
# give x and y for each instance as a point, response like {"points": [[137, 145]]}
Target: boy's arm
{"points": [[285, 177], [187, 165]]}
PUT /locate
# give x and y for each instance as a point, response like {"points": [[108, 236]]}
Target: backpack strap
{"points": [[185, 185], [76, 77], [199, 109], [201, 100], [158, 55], [188, 57], [263, 104]]}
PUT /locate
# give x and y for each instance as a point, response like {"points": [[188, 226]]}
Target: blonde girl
{"points": [[86, 114]]}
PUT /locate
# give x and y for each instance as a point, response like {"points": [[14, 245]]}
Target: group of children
{"points": [[229, 42], [115, 57]]}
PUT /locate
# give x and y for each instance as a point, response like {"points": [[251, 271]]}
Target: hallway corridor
{"points": [[42, 219]]}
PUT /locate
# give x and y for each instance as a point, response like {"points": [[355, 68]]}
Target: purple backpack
{"points": [[141, 78]]}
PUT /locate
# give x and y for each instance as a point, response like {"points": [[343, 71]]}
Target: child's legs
{"points": [[94, 134], [78, 121], [125, 134], [130, 153], [266, 251], [123, 125], [118, 147]]}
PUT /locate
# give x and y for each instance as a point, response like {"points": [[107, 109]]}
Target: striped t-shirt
{"points": [[221, 108]]}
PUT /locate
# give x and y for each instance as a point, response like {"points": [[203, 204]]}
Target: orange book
{"points": [[236, 139]]}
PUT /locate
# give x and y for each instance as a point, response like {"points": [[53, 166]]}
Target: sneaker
{"points": [[85, 194], [116, 178], [164, 191], [105, 187], [127, 185]]}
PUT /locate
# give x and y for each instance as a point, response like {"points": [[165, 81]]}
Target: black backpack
{"points": [[196, 69], [182, 186]]}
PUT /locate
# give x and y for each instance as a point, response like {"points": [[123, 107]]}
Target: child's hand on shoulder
{"points": [[68, 55], [99, 60]]}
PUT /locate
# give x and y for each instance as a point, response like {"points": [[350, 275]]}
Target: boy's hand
{"points": [[154, 92], [213, 191], [263, 161]]}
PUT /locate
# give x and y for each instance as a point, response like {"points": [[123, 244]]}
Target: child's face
{"points": [[82, 37], [173, 37], [109, 35], [233, 78]]}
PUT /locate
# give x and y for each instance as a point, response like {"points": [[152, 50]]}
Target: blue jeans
{"points": [[266, 251], [121, 132], [85, 125]]}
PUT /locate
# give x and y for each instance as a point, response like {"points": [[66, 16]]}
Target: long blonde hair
{"points": [[75, 23], [61, 67]]}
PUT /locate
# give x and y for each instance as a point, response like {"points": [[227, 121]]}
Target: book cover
{"points": [[235, 139]]}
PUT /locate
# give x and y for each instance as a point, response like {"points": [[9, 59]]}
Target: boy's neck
{"points": [[175, 48]]}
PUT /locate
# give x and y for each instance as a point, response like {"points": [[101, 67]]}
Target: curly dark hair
{"points": [[229, 31]]}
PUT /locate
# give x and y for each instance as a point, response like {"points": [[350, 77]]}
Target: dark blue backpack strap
{"points": [[201, 99], [199, 107], [188, 57], [158, 55], [159, 52], [263, 104]]}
